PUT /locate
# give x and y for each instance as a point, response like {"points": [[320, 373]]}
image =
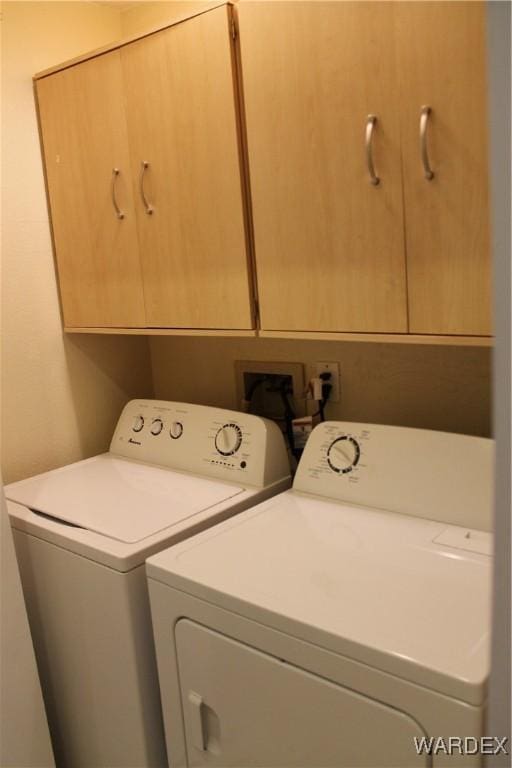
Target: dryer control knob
{"points": [[157, 426], [138, 423], [343, 454]]}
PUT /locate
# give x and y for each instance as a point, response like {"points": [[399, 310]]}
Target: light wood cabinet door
{"points": [[329, 245], [442, 64], [182, 118], [84, 136]]}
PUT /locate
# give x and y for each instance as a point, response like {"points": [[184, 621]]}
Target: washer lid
{"points": [[120, 499], [368, 584]]}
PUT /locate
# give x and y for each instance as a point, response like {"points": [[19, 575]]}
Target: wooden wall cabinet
{"points": [[329, 245], [85, 137], [170, 158], [163, 111], [334, 251], [442, 63]]}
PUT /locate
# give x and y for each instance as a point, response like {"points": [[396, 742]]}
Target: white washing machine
{"points": [[82, 534], [331, 626]]}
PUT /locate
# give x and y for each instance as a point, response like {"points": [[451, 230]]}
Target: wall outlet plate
{"points": [[266, 402], [334, 381]]}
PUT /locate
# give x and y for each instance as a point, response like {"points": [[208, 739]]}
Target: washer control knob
{"points": [[343, 454], [176, 430], [138, 423], [228, 439], [157, 426]]}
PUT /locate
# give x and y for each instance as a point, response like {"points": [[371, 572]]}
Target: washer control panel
{"points": [[208, 441], [436, 475]]}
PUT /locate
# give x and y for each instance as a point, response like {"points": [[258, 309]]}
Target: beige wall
{"points": [[61, 395], [433, 387], [144, 16]]}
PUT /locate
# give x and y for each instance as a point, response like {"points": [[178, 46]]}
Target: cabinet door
{"points": [[245, 708], [84, 137], [442, 61], [182, 119], [328, 244]]}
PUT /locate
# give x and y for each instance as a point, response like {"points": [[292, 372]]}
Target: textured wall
{"points": [[434, 387], [61, 395]]}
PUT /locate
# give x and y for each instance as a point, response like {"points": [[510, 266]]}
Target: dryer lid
{"points": [[119, 499], [374, 586]]}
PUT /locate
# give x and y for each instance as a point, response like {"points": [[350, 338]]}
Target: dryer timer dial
{"points": [[343, 454]]}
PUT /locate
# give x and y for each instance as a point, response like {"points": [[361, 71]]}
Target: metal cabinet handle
{"points": [[147, 205], [370, 125], [119, 212], [197, 723], [424, 115]]}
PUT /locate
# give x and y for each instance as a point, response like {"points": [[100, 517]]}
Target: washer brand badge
{"points": [[135, 442], [456, 745]]}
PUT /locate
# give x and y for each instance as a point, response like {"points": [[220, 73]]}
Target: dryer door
{"points": [[245, 708]]}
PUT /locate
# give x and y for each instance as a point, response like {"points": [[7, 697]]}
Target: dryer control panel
{"points": [[208, 441], [436, 475]]}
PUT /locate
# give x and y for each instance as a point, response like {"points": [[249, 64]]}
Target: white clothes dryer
{"points": [[82, 534], [343, 623]]}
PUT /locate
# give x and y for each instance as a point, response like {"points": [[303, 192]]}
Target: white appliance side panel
{"points": [[123, 500], [242, 707], [91, 628], [435, 475]]}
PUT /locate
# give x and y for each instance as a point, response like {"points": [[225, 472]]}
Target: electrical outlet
{"points": [[334, 381]]}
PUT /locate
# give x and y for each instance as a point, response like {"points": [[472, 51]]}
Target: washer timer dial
{"points": [[228, 439], [343, 454]]}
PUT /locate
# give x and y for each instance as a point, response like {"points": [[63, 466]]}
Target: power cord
{"points": [[289, 416], [325, 376], [246, 403], [279, 385]]}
